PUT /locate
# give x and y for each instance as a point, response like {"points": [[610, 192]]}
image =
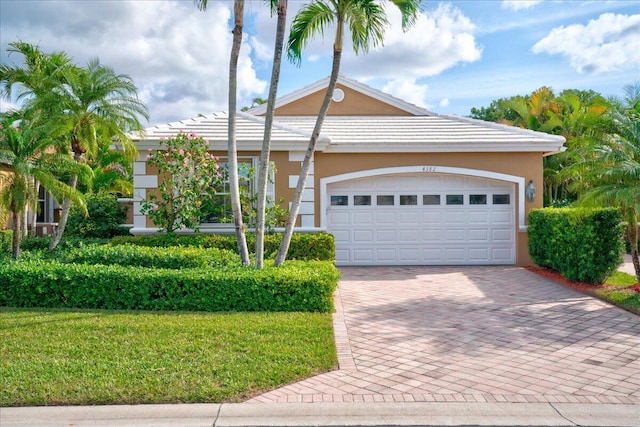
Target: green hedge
{"points": [[6, 241], [139, 256], [37, 243], [304, 246], [582, 244], [297, 286]]}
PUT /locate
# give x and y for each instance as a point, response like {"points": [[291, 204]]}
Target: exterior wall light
{"points": [[530, 191]]}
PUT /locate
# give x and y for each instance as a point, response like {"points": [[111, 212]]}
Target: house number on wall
{"points": [[428, 169]]}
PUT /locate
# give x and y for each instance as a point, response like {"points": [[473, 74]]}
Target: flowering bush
{"points": [[188, 176]]}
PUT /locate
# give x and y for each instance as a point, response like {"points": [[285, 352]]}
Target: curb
{"points": [[326, 414]]}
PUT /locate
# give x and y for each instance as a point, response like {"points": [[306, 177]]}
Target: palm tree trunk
{"points": [[632, 234], [64, 215], [16, 226], [263, 168], [306, 163], [34, 211], [238, 9]]}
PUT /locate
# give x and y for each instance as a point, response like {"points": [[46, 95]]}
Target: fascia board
{"points": [[443, 148]]}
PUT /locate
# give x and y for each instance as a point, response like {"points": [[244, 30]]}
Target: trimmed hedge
{"points": [[582, 244], [138, 256], [297, 286], [37, 243], [304, 246]]}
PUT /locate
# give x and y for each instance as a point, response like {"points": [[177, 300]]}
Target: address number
{"points": [[428, 169]]}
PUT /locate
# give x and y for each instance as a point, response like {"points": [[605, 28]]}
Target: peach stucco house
{"points": [[394, 183]]}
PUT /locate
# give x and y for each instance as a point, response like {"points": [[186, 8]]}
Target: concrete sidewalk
{"points": [[327, 414]]}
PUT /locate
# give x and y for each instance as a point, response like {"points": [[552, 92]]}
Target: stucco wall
{"points": [[354, 104]]}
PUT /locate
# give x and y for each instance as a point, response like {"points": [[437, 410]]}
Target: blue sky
{"points": [[460, 54]]}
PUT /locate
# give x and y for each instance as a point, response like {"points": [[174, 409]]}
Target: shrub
{"points": [[37, 243], [582, 244], [304, 246], [6, 239], [105, 217], [130, 255], [297, 286]]}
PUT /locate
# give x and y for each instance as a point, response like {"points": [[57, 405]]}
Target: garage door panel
{"points": [[384, 218], [409, 235], [478, 235], [363, 236], [455, 217], [479, 217], [385, 236], [363, 255], [456, 234], [479, 255], [425, 233], [502, 234], [363, 218]]}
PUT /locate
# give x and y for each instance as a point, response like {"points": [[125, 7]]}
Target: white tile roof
{"points": [[431, 133]]}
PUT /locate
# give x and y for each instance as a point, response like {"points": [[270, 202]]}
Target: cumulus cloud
{"points": [[407, 90], [441, 38], [609, 43], [519, 4], [177, 55]]}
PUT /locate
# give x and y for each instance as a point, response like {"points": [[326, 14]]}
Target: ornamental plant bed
{"points": [[614, 291]]}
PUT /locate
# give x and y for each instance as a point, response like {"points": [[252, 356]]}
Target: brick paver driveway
{"points": [[473, 334]]}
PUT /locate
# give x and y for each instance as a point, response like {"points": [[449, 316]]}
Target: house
{"points": [[394, 183]]}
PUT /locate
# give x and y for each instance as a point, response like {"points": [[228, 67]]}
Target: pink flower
{"points": [[181, 152], [148, 156], [155, 208], [149, 149]]}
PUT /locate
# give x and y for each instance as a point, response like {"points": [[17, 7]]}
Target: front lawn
{"points": [[80, 357], [623, 290]]}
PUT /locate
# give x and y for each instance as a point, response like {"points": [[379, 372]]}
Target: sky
{"points": [[459, 55]]}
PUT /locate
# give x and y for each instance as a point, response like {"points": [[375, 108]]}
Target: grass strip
{"points": [[85, 357]]}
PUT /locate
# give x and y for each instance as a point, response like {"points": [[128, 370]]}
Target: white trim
{"points": [[520, 181]]}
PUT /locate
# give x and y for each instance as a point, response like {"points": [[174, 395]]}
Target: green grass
{"points": [[80, 357], [616, 294]]}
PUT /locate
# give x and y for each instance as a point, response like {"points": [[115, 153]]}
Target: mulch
{"points": [[579, 286]]}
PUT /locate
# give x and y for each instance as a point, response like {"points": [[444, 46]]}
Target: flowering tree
{"points": [[188, 176]]}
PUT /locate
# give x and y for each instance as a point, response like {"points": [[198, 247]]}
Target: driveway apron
{"points": [[472, 334]]}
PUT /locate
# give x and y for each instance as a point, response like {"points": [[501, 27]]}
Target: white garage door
{"points": [[422, 220]]}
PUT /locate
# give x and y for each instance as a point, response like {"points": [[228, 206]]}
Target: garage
{"points": [[422, 219]]}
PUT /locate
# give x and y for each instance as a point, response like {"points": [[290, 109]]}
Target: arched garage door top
{"points": [[324, 182]]}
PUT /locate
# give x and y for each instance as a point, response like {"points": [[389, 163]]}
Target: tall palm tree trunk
{"points": [[16, 228], [238, 9], [263, 168], [632, 235], [34, 210], [64, 215], [308, 157]]}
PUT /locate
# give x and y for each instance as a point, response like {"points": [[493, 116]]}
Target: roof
{"points": [[214, 128], [423, 131], [352, 84], [434, 133]]}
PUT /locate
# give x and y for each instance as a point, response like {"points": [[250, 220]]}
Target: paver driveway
{"points": [[473, 334]]}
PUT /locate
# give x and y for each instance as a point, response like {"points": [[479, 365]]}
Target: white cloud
{"points": [[519, 4], [441, 39], [444, 102], [609, 43], [177, 55], [407, 90]]}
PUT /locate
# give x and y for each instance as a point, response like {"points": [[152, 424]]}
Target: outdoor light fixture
{"points": [[530, 191]]}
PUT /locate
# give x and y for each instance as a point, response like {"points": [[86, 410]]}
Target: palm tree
{"points": [[27, 148], [263, 167], [96, 101], [615, 167], [366, 20], [234, 182]]}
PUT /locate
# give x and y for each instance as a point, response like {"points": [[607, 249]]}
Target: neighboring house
{"points": [[394, 183]]}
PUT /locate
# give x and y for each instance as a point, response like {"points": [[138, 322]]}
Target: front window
{"points": [[218, 210]]}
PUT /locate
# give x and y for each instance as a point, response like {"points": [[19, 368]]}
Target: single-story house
{"points": [[394, 183]]}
